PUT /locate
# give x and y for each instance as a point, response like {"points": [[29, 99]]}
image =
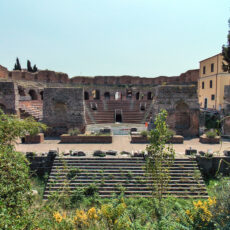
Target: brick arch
{"points": [[33, 94], [107, 95], [21, 91]]}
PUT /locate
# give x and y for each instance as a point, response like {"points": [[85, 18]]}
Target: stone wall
{"points": [[63, 108], [3, 72], [9, 97], [187, 77], [181, 102], [40, 76], [49, 76]]}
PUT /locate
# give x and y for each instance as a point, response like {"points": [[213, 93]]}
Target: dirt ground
{"points": [[120, 143]]}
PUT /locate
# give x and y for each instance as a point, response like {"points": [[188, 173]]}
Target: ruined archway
{"points": [[33, 95], [96, 94], [86, 95], [107, 95], [149, 96], [182, 117], [41, 94], [21, 92]]}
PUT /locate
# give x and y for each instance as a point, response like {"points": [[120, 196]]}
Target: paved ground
{"points": [[119, 144]]}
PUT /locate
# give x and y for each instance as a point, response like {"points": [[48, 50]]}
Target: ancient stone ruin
{"points": [[63, 103]]}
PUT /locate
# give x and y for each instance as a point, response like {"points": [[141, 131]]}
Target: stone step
{"points": [[108, 183], [134, 189]]}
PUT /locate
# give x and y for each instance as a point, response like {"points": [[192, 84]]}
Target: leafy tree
{"points": [[17, 65], [11, 128], [160, 156], [29, 68], [226, 53], [15, 188]]}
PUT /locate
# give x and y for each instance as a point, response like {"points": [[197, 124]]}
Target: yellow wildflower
{"points": [[211, 201], [58, 217], [81, 217], [197, 204], [92, 213], [188, 212]]}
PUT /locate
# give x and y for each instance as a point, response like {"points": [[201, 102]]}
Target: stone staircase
{"points": [[105, 113], [32, 108], [112, 175]]}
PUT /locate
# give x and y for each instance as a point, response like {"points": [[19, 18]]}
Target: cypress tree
{"points": [[226, 53], [29, 68], [35, 69], [17, 65]]}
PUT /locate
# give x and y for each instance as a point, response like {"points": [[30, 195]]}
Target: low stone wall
{"points": [[34, 139], [41, 165], [139, 139], [211, 166], [85, 139], [177, 139], [206, 140]]}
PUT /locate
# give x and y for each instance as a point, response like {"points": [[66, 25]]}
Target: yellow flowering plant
{"points": [[200, 215]]}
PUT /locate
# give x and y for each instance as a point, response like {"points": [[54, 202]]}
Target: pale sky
{"points": [[144, 38]]}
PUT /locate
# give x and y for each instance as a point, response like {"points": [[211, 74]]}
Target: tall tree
{"points": [[17, 65], [29, 68], [35, 69], [226, 53]]}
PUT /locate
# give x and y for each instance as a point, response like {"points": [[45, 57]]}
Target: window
{"points": [[202, 85], [210, 83], [213, 97], [204, 69], [212, 67]]}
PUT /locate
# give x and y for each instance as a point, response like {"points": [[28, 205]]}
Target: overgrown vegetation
{"points": [[160, 157], [226, 53], [83, 209], [211, 133]]}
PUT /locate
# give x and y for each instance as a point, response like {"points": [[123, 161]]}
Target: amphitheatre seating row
{"points": [[111, 173], [32, 108], [105, 111]]}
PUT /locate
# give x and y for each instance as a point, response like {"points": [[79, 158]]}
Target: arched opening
{"points": [[137, 96], [86, 95], [107, 95], [129, 94], [33, 95], [41, 93], [21, 92], [149, 96], [118, 115], [118, 96], [182, 118], [96, 94], [3, 108]]}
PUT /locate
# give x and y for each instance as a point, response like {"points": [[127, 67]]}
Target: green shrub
{"points": [[74, 132], [171, 133], [125, 153], [91, 190], [99, 153], [15, 189], [211, 133], [144, 133], [72, 173]]}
